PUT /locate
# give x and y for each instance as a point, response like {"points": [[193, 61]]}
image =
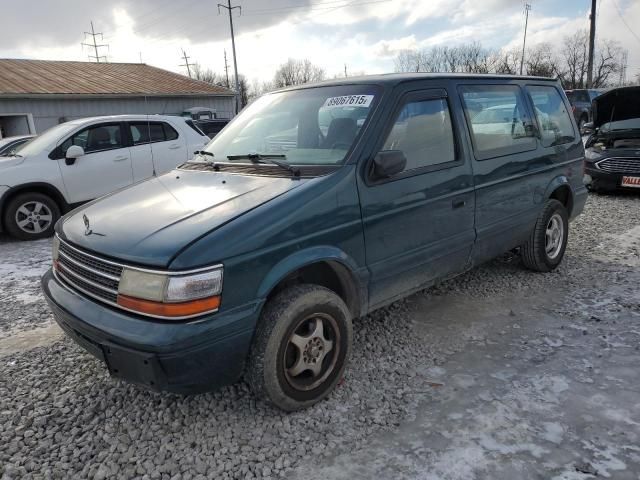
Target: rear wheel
{"points": [[301, 347], [30, 216], [545, 248]]}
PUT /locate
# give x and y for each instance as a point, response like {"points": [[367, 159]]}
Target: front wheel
{"points": [[545, 248], [301, 347], [29, 216]]}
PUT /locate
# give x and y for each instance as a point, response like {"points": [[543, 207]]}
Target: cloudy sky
{"points": [[363, 34]]}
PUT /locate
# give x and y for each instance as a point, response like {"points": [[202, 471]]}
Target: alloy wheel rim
{"points": [[311, 352], [33, 217], [554, 236]]}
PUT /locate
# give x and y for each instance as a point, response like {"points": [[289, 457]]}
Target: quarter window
{"points": [[553, 118], [498, 120], [423, 132]]}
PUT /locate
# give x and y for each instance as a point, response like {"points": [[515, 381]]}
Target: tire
{"points": [[543, 252], [279, 370], [29, 216]]}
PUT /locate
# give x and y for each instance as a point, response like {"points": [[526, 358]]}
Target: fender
{"points": [[557, 182], [38, 187], [322, 253]]}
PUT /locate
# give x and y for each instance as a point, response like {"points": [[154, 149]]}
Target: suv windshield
{"points": [[312, 126]]}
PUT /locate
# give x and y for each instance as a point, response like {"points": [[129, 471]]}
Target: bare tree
{"points": [[209, 76], [575, 53], [542, 61], [297, 72], [470, 58], [607, 63]]}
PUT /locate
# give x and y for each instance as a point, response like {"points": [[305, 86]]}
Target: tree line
{"points": [[566, 61]]}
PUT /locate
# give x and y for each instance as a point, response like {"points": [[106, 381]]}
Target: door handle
{"points": [[458, 203], [174, 147], [120, 159]]}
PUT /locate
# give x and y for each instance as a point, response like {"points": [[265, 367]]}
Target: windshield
{"points": [[48, 138], [313, 126]]}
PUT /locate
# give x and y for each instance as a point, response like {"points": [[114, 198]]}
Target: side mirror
{"points": [[388, 163], [587, 129], [73, 152]]}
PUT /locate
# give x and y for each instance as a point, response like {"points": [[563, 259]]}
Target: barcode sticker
{"points": [[348, 101]]}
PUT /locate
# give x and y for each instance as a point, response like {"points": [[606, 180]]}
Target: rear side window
{"points": [[498, 120], [423, 132], [554, 122], [151, 132]]}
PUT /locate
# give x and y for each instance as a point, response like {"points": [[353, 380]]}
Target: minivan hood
{"points": [[616, 105], [150, 222]]}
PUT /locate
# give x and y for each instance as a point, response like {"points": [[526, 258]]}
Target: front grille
{"points": [[88, 274], [620, 165]]}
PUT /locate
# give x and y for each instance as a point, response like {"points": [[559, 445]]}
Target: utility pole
{"points": [[186, 62], [226, 68], [527, 7], [623, 68], [345, 70], [230, 9], [95, 44], [592, 41]]}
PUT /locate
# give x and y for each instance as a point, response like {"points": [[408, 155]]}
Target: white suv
{"points": [[80, 160]]}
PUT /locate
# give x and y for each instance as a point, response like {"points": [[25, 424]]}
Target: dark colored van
{"points": [[315, 205]]}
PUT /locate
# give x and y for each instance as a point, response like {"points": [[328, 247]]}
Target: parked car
{"points": [[613, 149], [80, 160], [9, 144], [211, 127], [580, 100], [254, 260]]}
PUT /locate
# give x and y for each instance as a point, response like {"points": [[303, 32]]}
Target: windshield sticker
{"points": [[348, 101]]}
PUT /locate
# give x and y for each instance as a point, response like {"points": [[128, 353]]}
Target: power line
{"points": [[186, 62], [625, 22], [95, 44], [230, 9]]}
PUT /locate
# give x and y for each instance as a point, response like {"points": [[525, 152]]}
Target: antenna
{"points": [[186, 62], [230, 9], [95, 44], [527, 7]]}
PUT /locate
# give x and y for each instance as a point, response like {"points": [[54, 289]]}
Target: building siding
{"points": [[47, 112]]}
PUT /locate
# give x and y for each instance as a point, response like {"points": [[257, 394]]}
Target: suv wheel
{"points": [[30, 216], [301, 347], [545, 248]]}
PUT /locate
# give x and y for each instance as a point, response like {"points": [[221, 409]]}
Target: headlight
{"points": [[592, 155], [170, 295]]}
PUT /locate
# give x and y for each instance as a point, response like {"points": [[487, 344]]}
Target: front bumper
{"points": [[607, 180], [180, 357]]}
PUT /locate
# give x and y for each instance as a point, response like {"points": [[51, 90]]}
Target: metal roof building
{"points": [[37, 94]]}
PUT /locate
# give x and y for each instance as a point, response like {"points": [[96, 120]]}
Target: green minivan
{"points": [[315, 205]]}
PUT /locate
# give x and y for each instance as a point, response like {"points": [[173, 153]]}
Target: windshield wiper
{"points": [[204, 152], [272, 159]]}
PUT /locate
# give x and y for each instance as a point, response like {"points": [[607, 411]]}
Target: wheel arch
{"points": [[326, 266], [37, 187], [560, 189]]}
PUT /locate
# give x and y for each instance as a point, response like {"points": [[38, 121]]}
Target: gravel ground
{"points": [[63, 417]]}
